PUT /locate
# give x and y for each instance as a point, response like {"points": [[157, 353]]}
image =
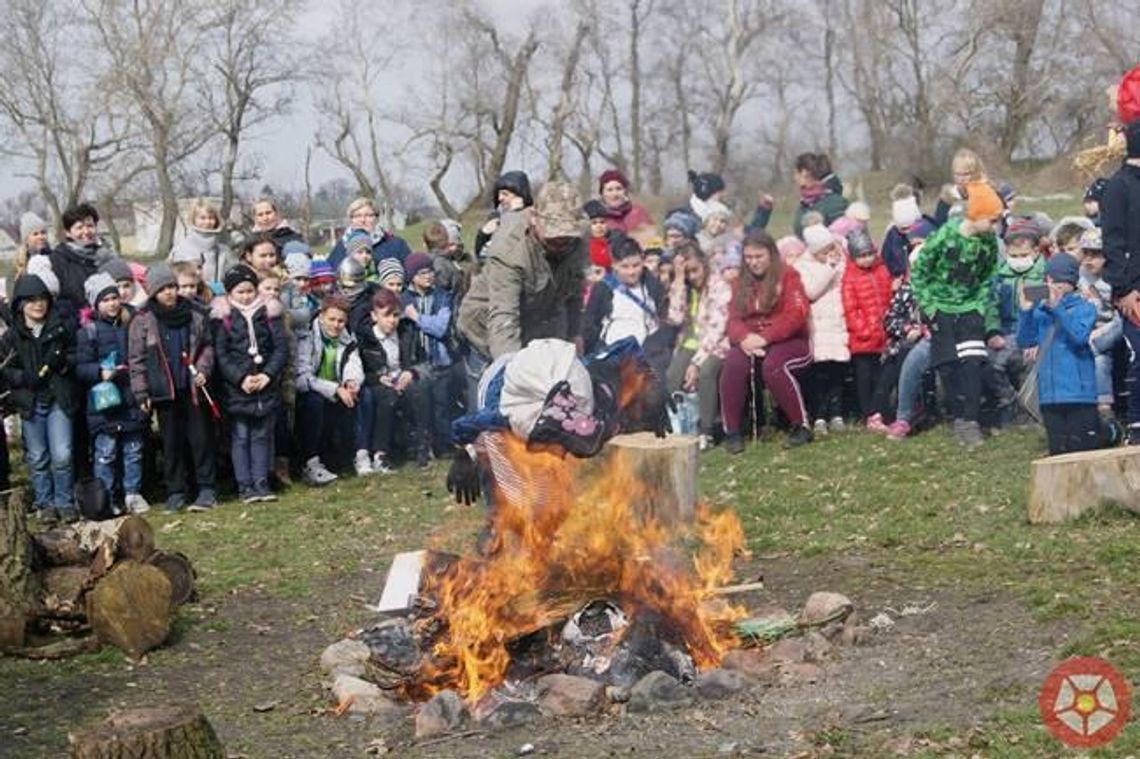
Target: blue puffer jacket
{"points": [[97, 338], [1066, 370]]}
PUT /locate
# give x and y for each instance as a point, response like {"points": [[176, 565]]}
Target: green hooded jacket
{"points": [[952, 272]]}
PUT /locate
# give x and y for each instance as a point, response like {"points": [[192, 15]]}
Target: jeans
{"points": [[363, 420], [47, 451], [1103, 346], [914, 366], [250, 449], [109, 449]]}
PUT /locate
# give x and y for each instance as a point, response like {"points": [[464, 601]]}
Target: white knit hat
{"points": [[40, 266], [905, 212], [30, 222], [715, 208], [817, 237]]}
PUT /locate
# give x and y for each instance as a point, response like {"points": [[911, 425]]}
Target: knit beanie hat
{"points": [[859, 211], [295, 247], [612, 175], [594, 209], [817, 237], [982, 202], [388, 268], [1063, 268], [905, 212], [1092, 239], [790, 247], [684, 222], [160, 276], [416, 263], [715, 208], [706, 185], [30, 222], [859, 243], [118, 269], [1022, 228], [298, 265], [454, 231], [358, 242], [238, 274], [321, 273], [98, 286], [40, 266]]}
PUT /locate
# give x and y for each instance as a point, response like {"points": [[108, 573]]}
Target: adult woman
{"points": [[820, 190], [621, 212], [767, 330], [267, 220], [363, 217], [202, 246], [698, 306]]}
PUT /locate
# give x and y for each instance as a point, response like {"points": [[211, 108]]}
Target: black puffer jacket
{"points": [[235, 362], [38, 368], [97, 338], [72, 267], [376, 360], [1120, 221]]}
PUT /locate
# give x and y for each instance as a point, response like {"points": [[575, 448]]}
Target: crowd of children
{"points": [[298, 363]]}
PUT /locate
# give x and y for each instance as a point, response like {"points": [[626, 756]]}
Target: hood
{"points": [[518, 183], [28, 286]]}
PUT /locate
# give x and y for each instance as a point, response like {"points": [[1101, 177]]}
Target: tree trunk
{"points": [[130, 607], [229, 165], [554, 141], [1064, 487], [169, 200], [635, 88], [163, 732], [17, 583], [829, 84], [665, 467]]}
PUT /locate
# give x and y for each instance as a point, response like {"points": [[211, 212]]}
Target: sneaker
{"points": [[837, 424], [136, 504], [898, 430], [246, 495], [971, 435], [801, 435], [315, 474], [206, 500], [734, 444], [820, 426], [175, 502], [262, 492], [380, 464], [704, 442], [875, 423], [362, 463], [956, 428]]}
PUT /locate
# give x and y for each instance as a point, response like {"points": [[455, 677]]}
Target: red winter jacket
{"points": [[787, 320], [866, 297]]}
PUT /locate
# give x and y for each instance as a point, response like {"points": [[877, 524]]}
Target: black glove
{"points": [[57, 361], [463, 479]]}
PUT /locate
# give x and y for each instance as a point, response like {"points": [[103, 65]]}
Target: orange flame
{"points": [[569, 532]]}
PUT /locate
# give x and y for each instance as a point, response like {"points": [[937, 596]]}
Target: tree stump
{"points": [[17, 582], [161, 732], [63, 589], [130, 607], [1064, 487], [179, 571], [666, 467]]}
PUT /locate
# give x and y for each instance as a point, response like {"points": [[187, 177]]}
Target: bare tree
{"points": [[566, 103], [639, 12]]}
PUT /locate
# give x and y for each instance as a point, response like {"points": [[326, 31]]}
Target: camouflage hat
{"points": [[559, 208]]}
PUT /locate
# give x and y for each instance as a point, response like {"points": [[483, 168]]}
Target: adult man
{"points": [[531, 283]]}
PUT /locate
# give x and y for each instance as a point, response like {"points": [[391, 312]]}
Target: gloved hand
{"points": [[57, 361], [463, 479]]}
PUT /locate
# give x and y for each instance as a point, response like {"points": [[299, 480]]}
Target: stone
{"points": [[798, 673], [364, 697], [657, 691], [569, 696], [821, 606], [854, 635], [789, 650], [512, 714], [345, 657], [444, 713], [720, 683], [617, 694], [818, 647], [752, 662]]}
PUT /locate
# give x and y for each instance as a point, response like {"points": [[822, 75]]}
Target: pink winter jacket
{"points": [[823, 285], [712, 316]]}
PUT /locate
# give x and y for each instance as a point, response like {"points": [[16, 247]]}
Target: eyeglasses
{"points": [[364, 215]]}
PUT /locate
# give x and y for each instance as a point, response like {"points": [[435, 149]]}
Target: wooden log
{"points": [[59, 547], [1064, 487], [666, 467], [179, 571], [63, 590], [128, 537], [161, 732], [130, 607], [17, 581]]}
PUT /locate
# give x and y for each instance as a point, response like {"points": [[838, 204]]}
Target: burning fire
{"points": [[565, 536]]}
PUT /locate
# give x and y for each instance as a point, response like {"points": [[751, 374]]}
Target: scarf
{"points": [[619, 212], [327, 369], [175, 317], [248, 312], [84, 252], [809, 196]]}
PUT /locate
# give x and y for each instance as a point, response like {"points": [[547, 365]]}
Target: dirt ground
{"points": [[963, 655]]}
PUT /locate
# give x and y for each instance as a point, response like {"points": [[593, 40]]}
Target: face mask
{"points": [[1021, 264]]}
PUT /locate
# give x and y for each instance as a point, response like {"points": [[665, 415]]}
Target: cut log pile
{"points": [[105, 578]]}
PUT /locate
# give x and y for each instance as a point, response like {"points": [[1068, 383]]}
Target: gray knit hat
{"points": [[30, 222], [158, 277], [298, 265], [98, 286], [389, 267], [118, 269]]}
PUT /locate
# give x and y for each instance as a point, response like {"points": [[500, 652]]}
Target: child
{"points": [[1109, 326], [352, 285], [1066, 235], [329, 377], [295, 292], [821, 270], [119, 433], [40, 374], [260, 253], [599, 236], [905, 216], [390, 351], [1023, 267], [129, 291], [189, 281], [866, 297], [628, 302], [1093, 195], [429, 309], [1055, 332], [714, 227], [171, 360], [444, 256], [249, 343], [904, 329], [358, 247], [951, 278]]}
